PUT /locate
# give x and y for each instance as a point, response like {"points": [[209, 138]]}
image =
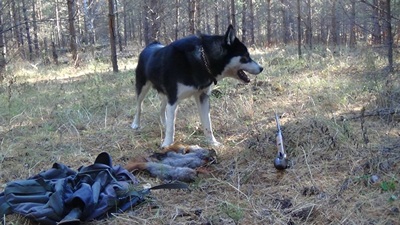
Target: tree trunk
{"points": [[216, 19], [233, 13], [198, 15], [269, 33], [111, 26], [389, 35], [376, 30], [252, 37], [285, 23], [58, 25], [72, 32], [2, 47], [244, 30], [28, 33], [309, 35], [334, 28], [353, 24], [298, 29], [16, 21], [35, 28], [177, 18], [155, 20], [192, 11], [117, 27]]}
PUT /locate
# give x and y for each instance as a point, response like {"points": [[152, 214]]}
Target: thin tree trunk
{"points": [[28, 33], [111, 26], [35, 28], [252, 37], [269, 33], [233, 13], [16, 21], [198, 16], [244, 26], [309, 35], [353, 24], [58, 25], [192, 11], [334, 31], [2, 47], [285, 22], [177, 18], [72, 32], [389, 38], [117, 27], [216, 19], [298, 29], [376, 30]]}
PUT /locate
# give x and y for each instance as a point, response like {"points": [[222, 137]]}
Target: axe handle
{"points": [[279, 142]]}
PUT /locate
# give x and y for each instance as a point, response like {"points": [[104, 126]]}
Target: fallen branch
{"points": [[378, 112]]}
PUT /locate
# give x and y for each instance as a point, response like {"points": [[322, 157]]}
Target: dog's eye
{"points": [[245, 59]]}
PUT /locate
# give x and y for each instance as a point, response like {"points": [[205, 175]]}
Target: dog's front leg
{"points": [[203, 105], [170, 124]]}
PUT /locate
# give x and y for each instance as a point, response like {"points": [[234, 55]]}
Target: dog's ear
{"points": [[230, 35]]}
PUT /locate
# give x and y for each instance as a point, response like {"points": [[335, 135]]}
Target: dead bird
{"points": [[164, 171], [178, 151]]}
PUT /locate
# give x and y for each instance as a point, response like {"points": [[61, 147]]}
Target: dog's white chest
{"points": [[185, 91]]}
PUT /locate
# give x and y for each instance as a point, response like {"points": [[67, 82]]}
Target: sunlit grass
{"points": [[70, 114]]}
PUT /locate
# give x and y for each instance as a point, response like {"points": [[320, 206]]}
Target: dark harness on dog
{"points": [[207, 65]]}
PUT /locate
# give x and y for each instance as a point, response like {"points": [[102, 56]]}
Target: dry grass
{"points": [[69, 115]]}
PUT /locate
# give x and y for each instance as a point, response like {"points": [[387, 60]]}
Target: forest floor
{"points": [[340, 120]]}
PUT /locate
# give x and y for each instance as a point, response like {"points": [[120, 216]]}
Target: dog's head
{"points": [[238, 58]]}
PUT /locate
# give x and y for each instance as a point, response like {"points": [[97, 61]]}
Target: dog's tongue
{"points": [[242, 75]]}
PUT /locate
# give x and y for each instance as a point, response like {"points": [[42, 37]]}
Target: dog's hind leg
{"points": [[163, 105], [140, 97], [203, 105], [170, 124]]}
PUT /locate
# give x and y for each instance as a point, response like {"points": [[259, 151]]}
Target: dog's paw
{"points": [[215, 143], [135, 126]]}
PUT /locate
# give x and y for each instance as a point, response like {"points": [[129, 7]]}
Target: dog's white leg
{"points": [[136, 121], [163, 105], [170, 124], [203, 105]]}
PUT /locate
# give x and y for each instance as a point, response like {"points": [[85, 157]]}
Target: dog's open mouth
{"points": [[242, 75]]}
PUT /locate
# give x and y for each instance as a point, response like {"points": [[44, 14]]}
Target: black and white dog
{"points": [[189, 67]]}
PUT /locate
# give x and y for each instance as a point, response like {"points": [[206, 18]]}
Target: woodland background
{"points": [[331, 72], [41, 30]]}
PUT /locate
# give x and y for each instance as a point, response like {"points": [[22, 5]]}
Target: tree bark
{"points": [[28, 33], [192, 11], [111, 26], [376, 30], [252, 35], [309, 34], [117, 26], [244, 25], [269, 33], [35, 28], [352, 42], [389, 35], [58, 25], [2, 47], [72, 31], [177, 18], [233, 13], [216, 19], [334, 27], [285, 23], [298, 29]]}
